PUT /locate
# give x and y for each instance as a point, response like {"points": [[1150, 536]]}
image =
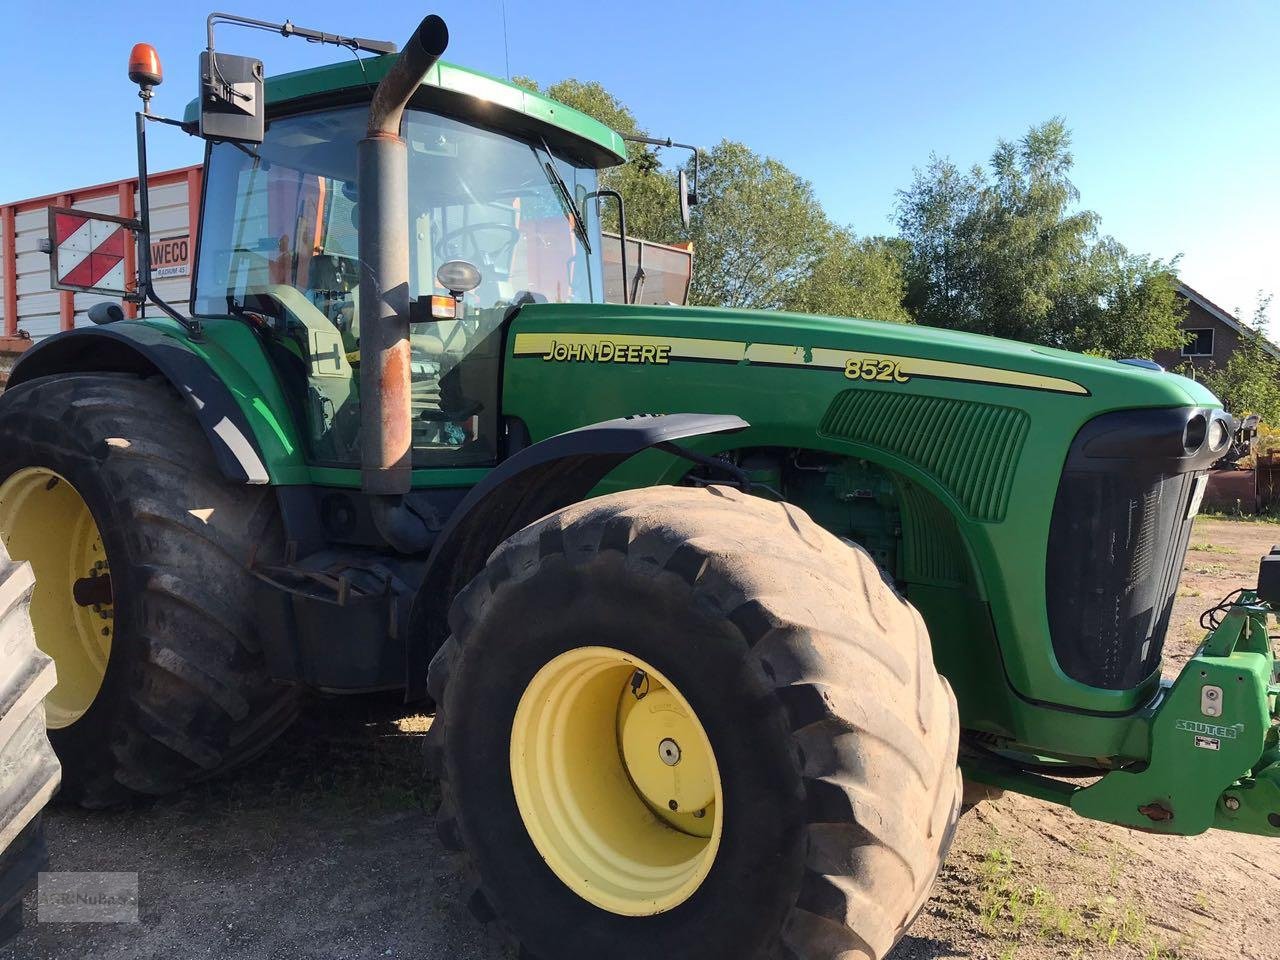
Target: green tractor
{"points": [[714, 606]]}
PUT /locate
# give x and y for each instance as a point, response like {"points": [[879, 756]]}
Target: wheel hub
{"points": [[93, 590], [670, 780], [616, 781], [45, 521]]}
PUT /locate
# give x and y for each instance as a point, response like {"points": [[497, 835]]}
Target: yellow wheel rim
{"points": [[44, 520], [616, 781]]}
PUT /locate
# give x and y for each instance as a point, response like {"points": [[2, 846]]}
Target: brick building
{"points": [[1213, 333]]}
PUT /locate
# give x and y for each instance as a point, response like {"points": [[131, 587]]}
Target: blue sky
{"points": [[1174, 105]]}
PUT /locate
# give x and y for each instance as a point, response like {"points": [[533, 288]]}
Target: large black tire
{"points": [[28, 768], [186, 694], [835, 737]]}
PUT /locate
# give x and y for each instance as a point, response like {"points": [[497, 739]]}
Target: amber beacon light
{"points": [[144, 66]]}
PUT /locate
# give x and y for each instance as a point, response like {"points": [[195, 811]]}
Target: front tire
{"points": [[831, 736], [144, 598]]}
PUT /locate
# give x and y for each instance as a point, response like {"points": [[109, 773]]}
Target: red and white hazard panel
{"points": [[89, 252]]}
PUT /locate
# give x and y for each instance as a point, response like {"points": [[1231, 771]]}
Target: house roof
{"points": [[1215, 311]]}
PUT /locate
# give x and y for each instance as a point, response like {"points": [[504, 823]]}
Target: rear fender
{"points": [[146, 351]]}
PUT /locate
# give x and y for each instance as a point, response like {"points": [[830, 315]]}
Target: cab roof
{"points": [[453, 89]]}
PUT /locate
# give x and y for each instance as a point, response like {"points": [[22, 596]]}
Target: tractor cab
{"points": [[279, 249]]}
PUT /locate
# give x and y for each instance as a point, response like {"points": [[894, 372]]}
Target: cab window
{"points": [[280, 250]]}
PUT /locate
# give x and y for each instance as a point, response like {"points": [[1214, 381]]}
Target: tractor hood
{"points": [[855, 350], [973, 428]]}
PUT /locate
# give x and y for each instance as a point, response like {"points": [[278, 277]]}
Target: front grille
{"points": [[1117, 541]]}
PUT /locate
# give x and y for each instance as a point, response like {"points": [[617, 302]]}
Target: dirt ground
{"points": [[323, 848]]}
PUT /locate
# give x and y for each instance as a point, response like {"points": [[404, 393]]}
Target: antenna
{"points": [[506, 44]]}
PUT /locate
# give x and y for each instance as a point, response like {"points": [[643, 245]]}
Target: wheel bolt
{"points": [[1231, 803]]}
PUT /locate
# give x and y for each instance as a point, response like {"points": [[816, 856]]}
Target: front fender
{"points": [[537, 481], [146, 351]]}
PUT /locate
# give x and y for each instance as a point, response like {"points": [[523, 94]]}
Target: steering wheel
{"points": [[454, 243]]}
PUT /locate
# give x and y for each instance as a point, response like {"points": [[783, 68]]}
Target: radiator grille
{"points": [[972, 449], [1118, 538], [1116, 546]]}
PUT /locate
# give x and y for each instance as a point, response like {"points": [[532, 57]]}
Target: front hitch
{"points": [[1214, 759], [1253, 804]]}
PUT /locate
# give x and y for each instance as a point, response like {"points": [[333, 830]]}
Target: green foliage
{"points": [[757, 233], [1250, 380], [1003, 250], [1007, 907], [854, 277]]}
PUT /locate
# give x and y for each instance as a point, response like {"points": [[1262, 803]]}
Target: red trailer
{"points": [[32, 309]]}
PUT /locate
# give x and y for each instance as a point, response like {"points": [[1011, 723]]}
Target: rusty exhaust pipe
{"points": [[382, 186]]}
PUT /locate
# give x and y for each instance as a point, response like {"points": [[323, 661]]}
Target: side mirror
{"points": [[231, 98], [685, 200]]}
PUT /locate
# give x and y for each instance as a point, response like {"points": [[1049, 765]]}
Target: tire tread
{"points": [[29, 770], [822, 627], [200, 701]]}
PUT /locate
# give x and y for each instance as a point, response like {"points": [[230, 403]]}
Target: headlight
{"points": [[1219, 435], [1193, 437]]}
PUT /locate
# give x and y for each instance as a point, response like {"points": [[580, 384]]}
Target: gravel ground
{"points": [[324, 848]]}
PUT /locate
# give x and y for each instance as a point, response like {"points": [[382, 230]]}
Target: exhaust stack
{"points": [[382, 181]]}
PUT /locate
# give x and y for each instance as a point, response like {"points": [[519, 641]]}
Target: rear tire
{"points": [[185, 694], [28, 768], [834, 737]]}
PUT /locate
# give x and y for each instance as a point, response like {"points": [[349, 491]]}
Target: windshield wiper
{"points": [[566, 197]]}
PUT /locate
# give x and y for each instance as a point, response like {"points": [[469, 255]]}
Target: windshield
{"points": [[474, 194], [279, 249]]}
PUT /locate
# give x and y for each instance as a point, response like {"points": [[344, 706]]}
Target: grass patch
{"points": [[1017, 911], [1235, 517], [1211, 569], [1206, 547]]}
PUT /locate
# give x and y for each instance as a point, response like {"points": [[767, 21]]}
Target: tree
{"points": [[854, 277], [1003, 250], [1249, 382], [649, 191], [757, 231]]}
